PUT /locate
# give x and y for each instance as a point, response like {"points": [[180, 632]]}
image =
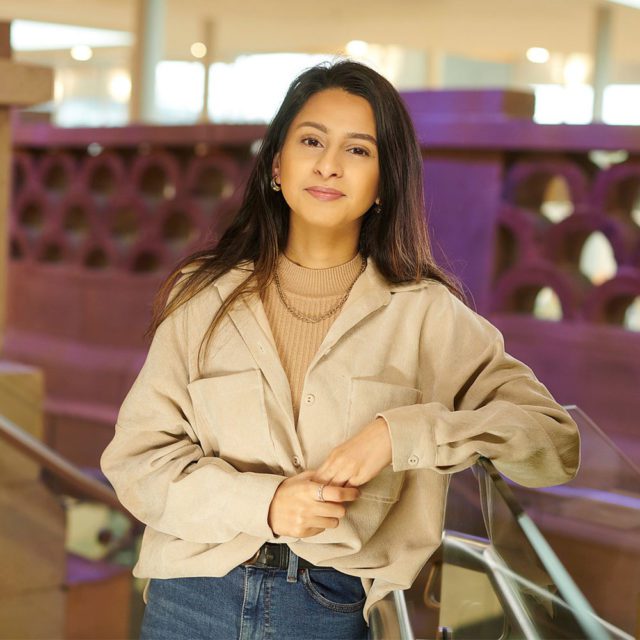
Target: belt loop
{"points": [[292, 569]]}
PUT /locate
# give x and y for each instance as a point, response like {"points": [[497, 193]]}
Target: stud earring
{"points": [[274, 185], [377, 206]]}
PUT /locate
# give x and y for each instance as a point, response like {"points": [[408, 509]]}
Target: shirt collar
{"points": [[371, 279]]}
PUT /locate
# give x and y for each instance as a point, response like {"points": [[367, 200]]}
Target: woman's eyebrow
{"points": [[321, 127]]}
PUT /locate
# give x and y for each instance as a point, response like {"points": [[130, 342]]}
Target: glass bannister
{"points": [[559, 562], [593, 525], [541, 598]]}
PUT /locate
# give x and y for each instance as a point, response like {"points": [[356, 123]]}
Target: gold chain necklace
{"points": [[324, 316]]}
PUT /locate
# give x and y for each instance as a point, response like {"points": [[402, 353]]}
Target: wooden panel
{"points": [[32, 614], [24, 84], [32, 531], [98, 600], [21, 400]]}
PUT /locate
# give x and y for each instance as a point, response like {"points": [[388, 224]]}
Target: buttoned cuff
{"points": [[413, 444]]}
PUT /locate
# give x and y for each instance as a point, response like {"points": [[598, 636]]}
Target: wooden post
{"points": [[22, 85], [32, 525]]}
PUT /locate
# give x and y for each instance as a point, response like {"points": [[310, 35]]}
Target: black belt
{"points": [[277, 556]]}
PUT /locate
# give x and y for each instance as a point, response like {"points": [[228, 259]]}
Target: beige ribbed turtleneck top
{"points": [[313, 292]]}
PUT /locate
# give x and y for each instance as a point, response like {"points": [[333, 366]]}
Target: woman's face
{"points": [[328, 166]]}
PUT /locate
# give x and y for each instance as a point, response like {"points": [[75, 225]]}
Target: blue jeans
{"points": [[257, 603]]}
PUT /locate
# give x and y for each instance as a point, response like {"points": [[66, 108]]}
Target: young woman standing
{"points": [[312, 382]]}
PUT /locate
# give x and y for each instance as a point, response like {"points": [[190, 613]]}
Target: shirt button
{"points": [[309, 398], [260, 347], [413, 460], [296, 461]]}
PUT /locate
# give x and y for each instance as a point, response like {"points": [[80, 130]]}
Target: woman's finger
{"points": [[323, 474]]}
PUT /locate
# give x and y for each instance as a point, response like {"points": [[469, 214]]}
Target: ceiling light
{"points": [[357, 48], [120, 86], [81, 52], [576, 69], [198, 50], [539, 55]]}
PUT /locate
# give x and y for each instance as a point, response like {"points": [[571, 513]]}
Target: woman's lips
{"points": [[324, 193]]}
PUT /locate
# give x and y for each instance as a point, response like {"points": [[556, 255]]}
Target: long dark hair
{"points": [[397, 238]]}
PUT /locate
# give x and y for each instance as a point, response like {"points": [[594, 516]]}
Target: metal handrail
{"points": [[389, 618], [58, 466], [477, 554]]}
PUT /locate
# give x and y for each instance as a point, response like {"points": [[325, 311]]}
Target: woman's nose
{"points": [[328, 164]]}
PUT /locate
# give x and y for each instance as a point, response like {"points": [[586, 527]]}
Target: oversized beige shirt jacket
{"points": [[197, 457]]}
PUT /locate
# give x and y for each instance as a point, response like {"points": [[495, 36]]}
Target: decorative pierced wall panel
{"points": [[541, 241], [128, 210]]}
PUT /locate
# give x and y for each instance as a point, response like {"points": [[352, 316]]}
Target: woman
{"points": [[312, 382]]}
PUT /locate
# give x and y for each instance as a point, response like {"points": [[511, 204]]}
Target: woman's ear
{"points": [[275, 165]]}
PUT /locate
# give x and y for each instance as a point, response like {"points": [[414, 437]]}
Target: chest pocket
{"points": [[366, 398], [231, 418]]}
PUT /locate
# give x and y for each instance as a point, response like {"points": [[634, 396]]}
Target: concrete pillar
{"points": [[147, 53], [601, 58], [208, 38]]}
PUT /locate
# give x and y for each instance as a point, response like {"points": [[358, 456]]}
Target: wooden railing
{"points": [[69, 475]]}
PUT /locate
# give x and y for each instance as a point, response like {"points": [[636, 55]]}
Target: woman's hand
{"points": [[359, 459], [296, 511]]}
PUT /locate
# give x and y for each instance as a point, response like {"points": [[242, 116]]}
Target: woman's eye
{"points": [[310, 142], [359, 151]]}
